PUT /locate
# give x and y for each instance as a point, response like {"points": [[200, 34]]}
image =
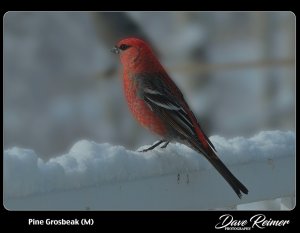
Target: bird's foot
{"points": [[155, 145]]}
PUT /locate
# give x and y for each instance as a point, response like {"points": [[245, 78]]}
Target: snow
{"points": [[89, 164]]}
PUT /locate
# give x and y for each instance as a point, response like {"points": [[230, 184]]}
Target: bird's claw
{"points": [[155, 145], [165, 145]]}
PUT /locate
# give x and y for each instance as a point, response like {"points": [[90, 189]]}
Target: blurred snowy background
{"points": [[62, 84]]}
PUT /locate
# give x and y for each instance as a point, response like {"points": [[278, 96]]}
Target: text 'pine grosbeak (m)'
{"points": [[158, 104]]}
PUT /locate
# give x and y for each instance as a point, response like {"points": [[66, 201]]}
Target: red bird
{"points": [[158, 104]]}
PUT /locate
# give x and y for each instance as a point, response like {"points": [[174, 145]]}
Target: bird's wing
{"points": [[160, 100]]}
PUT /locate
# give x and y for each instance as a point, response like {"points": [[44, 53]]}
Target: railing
{"points": [[125, 180]]}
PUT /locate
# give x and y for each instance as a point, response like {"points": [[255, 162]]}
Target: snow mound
{"points": [[92, 164]]}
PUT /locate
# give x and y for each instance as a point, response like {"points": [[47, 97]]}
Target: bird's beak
{"points": [[115, 50]]}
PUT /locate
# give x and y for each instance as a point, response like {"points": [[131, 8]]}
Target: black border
{"points": [[201, 221]]}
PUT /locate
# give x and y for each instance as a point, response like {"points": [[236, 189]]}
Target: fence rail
{"points": [[266, 179]]}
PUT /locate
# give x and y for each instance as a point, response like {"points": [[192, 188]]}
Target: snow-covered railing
{"points": [[104, 177]]}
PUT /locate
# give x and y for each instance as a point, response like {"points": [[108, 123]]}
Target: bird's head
{"points": [[131, 51]]}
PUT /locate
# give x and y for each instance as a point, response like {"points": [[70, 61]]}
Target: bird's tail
{"points": [[212, 157]]}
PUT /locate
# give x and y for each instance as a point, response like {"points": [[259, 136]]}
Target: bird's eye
{"points": [[124, 46]]}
